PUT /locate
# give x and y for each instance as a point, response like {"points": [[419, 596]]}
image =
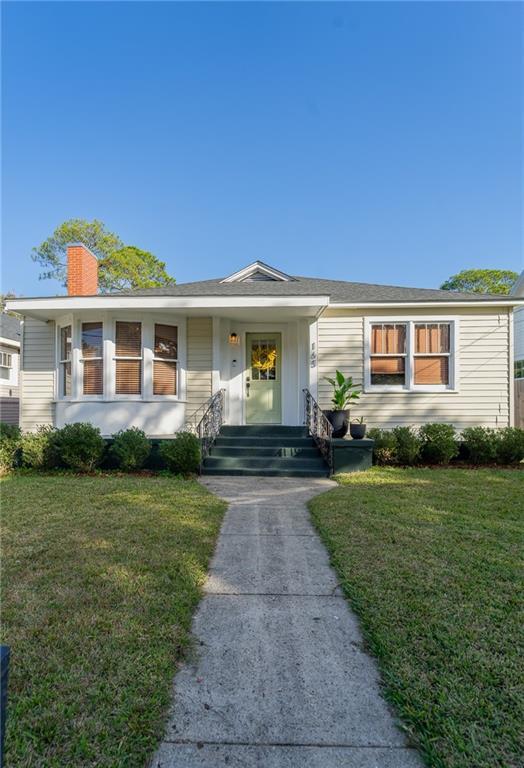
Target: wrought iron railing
{"points": [[209, 425], [319, 428]]}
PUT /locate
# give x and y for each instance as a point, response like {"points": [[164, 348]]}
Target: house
{"points": [[10, 336], [152, 358], [518, 291]]}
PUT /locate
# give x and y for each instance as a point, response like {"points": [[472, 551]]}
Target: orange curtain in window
{"points": [[388, 339], [164, 378], [387, 365], [431, 370]]}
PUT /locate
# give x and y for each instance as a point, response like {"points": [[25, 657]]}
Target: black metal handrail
{"points": [[319, 428], [209, 425]]}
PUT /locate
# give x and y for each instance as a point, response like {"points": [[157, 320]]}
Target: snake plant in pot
{"points": [[344, 391]]}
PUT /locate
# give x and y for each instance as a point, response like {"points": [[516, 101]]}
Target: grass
{"points": [[100, 578], [431, 560]]}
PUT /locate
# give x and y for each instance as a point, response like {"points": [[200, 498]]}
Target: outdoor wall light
{"points": [[234, 338]]}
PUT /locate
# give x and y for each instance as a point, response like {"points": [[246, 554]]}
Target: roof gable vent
{"points": [[258, 271]]}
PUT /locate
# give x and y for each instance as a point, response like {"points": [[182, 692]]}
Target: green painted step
{"points": [[264, 462], [263, 430], [244, 441], [246, 472], [307, 452], [266, 450]]}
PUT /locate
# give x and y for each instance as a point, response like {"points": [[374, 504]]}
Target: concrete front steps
{"points": [[265, 449]]}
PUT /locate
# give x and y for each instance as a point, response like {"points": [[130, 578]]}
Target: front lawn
{"points": [[431, 560], [100, 576]]}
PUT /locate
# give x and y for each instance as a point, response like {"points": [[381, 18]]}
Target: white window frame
{"points": [[154, 358], [410, 323], [6, 360], [115, 358], [81, 360], [64, 323], [109, 320]]}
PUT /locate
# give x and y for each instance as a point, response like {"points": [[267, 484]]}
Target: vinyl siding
{"points": [[199, 363], [483, 375], [37, 383]]}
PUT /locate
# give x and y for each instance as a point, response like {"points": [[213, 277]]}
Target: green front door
{"points": [[263, 385]]}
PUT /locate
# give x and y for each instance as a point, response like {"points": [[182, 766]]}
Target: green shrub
{"points": [[182, 453], [480, 444], [79, 446], [385, 448], [37, 448], [439, 445], [9, 447], [131, 449], [510, 445], [408, 445]]}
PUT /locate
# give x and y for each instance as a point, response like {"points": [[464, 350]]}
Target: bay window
{"points": [[410, 355], [165, 360], [128, 358], [92, 359], [108, 358]]}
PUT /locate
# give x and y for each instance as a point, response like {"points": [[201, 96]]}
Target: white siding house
{"points": [[153, 358]]}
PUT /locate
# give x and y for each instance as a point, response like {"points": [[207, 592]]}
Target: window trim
{"points": [[155, 358], [410, 322], [8, 360], [64, 323], [114, 358], [81, 360], [109, 320]]}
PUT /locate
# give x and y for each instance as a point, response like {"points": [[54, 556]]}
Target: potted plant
{"points": [[357, 429], [344, 391]]}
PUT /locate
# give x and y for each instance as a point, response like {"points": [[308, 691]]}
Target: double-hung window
{"points": [[165, 358], [431, 354], [410, 355], [128, 358], [65, 361], [93, 358], [388, 354]]}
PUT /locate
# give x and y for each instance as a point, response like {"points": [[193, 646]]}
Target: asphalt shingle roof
{"points": [[339, 291], [9, 327]]}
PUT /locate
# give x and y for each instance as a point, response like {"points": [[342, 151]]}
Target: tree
{"points": [[481, 281], [130, 267], [120, 267], [3, 298]]}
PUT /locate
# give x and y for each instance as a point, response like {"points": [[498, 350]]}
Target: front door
{"points": [[263, 384]]}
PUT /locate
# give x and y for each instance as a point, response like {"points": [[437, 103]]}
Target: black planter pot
{"points": [[339, 420], [357, 431]]}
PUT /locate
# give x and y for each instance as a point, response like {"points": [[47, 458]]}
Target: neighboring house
{"points": [[518, 291], [152, 358], [10, 336]]}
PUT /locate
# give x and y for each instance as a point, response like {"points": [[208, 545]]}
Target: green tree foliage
{"points": [[481, 281], [130, 267], [120, 267]]}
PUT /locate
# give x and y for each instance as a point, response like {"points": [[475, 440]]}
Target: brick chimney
{"points": [[82, 271]]}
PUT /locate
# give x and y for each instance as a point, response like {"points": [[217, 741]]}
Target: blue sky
{"points": [[376, 142]]}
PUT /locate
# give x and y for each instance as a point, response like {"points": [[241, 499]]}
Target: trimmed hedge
{"points": [[182, 453], [130, 449], [438, 444]]}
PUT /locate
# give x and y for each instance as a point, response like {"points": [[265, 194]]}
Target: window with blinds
{"points": [[128, 358], [165, 356], [65, 361], [411, 354], [388, 353], [431, 354], [92, 348]]}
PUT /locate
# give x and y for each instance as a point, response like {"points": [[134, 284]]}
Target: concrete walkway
{"points": [[279, 678]]}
